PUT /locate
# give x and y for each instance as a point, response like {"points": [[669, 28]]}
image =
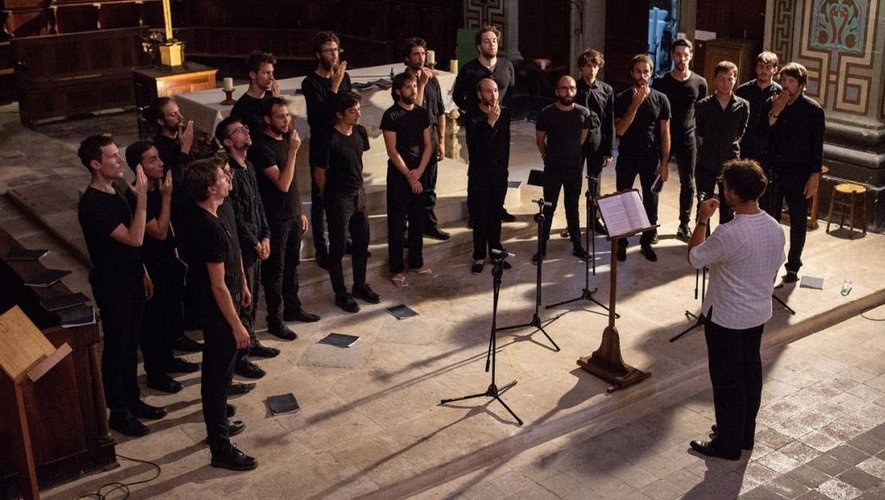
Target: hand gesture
{"points": [[141, 182], [780, 102], [166, 185], [494, 113], [424, 76], [707, 208], [294, 139], [639, 94], [416, 186], [241, 336], [186, 137], [275, 88], [337, 75]]}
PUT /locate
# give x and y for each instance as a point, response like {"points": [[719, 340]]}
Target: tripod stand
{"points": [[590, 242], [536, 318], [699, 276], [493, 391]]}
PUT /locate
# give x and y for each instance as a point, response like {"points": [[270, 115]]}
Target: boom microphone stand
{"points": [[493, 391], [590, 242], [536, 318]]}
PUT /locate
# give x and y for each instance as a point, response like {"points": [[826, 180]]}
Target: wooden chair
{"points": [[852, 192]]}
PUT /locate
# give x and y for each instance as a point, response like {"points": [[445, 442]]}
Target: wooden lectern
{"points": [[26, 356], [624, 216]]}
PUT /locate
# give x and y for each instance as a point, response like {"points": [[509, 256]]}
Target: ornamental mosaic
{"points": [[839, 25]]}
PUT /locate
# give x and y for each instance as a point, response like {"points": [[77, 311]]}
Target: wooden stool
{"points": [[853, 191], [815, 200]]}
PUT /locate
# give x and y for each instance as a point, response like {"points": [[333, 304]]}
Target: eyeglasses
{"points": [[331, 50], [244, 129]]}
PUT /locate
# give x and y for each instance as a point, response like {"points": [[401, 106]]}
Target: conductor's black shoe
{"points": [[648, 253], [230, 410], [146, 411], [163, 383], [187, 344], [507, 216], [599, 227], [790, 277], [477, 267], [260, 350], [578, 251], [747, 445], [622, 253], [655, 240], [240, 388], [233, 459], [437, 234], [178, 365], [300, 315], [248, 369], [709, 448], [346, 302], [366, 293], [281, 331], [128, 426], [235, 427], [683, 233]]}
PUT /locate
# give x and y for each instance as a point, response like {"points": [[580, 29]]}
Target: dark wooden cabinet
{"points": [[151, 83], [737, 50]]}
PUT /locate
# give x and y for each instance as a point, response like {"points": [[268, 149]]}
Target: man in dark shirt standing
{"points": [[487, 65], [599, 98], [560, 132], [262, 86], [754, 143], [683, 88], [273, 154], [319, 88], [721, 121], [488, 144], [429, 98], [113, 233], [406, 129], [341, 183], [642, 121], [796, 155], [217, 283]]}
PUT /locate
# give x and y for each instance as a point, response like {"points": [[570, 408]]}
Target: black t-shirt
{"points": [[488, 147], [682, 96], [409, 126], [320, 102], [563, 129], [464, 91], [175, 161], [344, 171], [249, 111], [99, 214], [154, 250], [644, 135], [211, 240], [600, 99], [754, 143], [267, 152]]}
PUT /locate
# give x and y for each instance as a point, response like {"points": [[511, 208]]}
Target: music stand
{"points": [[624, 216]]}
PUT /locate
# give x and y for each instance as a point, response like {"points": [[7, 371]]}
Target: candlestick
{"points": [[228, 83], [453, 66], [228, 98], [431, 57], [167, 18]]}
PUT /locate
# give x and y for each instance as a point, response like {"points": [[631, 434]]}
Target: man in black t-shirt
{"points": [[319, 88], [406, 129], [642, 122], [341, 183], [273, 153], [560, 132], [114, 233], [754, 143], [262, 86], [683, 88], [217, 282]]}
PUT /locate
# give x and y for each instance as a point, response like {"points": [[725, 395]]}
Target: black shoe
{"points": [[366, 293], [233, 459], [708, 448], [146, 411], [599, 227], [248, 369], [507, 216], [537, 258], [239, 388], [281, 331], [622, 253], [260, 350], [178, 365], [648, 253], [437, 234], [655, 240], [230, 410], [346, 302], [790, 277], [163, 383], [323, 261], [300, 315], [578, 251], [683, 233], [564, 233], [187, 344], [747, 445], [506, 265], [235, 427], [128, 426], [477, 267]]}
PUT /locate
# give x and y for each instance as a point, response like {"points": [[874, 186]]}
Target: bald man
{"points": [[560, 131]]}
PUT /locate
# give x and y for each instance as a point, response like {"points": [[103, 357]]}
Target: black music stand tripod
{"points": [[493, 390], [536, 318], [590, 242]]}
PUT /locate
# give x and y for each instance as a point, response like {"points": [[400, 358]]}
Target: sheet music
{"points": [[623, 213]]}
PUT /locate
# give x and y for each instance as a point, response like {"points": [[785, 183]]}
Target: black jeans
{"points": [[736, 374], [317, 218], [347, 212], [252, 268], [571, 185], [793, 191], [646, 168], [485, 200], [706, 182], [428, 182], [400, 202], [685, 151], [279, 273], [219, 357], [163, 315]]}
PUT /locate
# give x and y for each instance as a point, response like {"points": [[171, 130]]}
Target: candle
{"points": [[453, 66], [228, 83], [167, 17], [431, 57]]}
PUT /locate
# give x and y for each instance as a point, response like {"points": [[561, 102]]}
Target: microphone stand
{"points": [[536, 318], [493, 390], [700, 276], [590, 242]]}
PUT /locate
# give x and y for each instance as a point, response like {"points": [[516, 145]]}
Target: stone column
{"points": [[511, 31]]}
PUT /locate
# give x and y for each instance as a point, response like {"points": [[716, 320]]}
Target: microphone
{"points": [[502, 254], [542, 203], [702, 196]]}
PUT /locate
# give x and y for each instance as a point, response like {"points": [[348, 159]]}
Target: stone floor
{"points": [[371, 424]]}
